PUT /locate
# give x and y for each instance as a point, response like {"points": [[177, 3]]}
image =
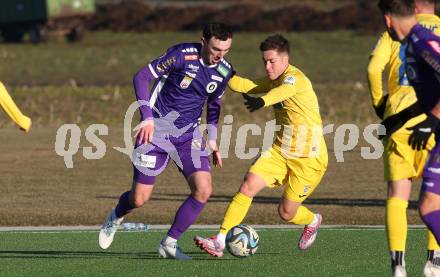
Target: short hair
{"points": [[397, 7], [432, 2], [276, 42], [218, 30]]}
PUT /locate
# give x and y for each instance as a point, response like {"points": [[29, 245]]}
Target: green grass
{"points": [[337, 252], [105, 58]]}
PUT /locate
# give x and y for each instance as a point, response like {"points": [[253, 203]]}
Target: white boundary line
{"points": [[59, 229]]}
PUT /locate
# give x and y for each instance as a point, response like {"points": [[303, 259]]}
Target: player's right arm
{"points": [[12, 110], [242, 85], [379, 59], [160, 66]]}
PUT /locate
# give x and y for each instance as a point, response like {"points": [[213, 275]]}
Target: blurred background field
{"points": [[90, 82]]}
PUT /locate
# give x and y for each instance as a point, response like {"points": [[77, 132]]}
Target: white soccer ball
{"points": [[242, 241]]}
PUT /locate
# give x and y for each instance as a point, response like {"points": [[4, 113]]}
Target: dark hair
{"points": [[427, 1], [276, 42], [397, 7], [218, 30]]}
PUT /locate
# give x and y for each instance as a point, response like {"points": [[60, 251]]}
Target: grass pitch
{"points": [[337, 252]]}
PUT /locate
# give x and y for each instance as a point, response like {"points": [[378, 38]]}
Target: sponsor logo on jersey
{"points": [[189, 50], [211, 87], [307, 188], [434, 170], [426, 55], [192, 75], [217, 78], [222, 70], [186, 81], [163, 66], [191, 57], [194, 68], [434, 45], [145, 160], [289, 80]]}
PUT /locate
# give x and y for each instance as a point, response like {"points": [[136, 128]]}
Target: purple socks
{"points": [[124, 206], [186, 215], [432, 220]]}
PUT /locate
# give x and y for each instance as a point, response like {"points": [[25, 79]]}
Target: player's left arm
{"points": [[13, 111], [243, 85], [212, 118], [429, 51], [276, 95]]}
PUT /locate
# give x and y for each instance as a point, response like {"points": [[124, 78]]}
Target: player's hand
{"points": [[145, 131], [422, 131], [253, 103], [380, 110], [216, 157]]}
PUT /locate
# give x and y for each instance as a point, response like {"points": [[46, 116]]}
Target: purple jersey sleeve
{"points": [[160, 66], [213, 111], [429, 51]]}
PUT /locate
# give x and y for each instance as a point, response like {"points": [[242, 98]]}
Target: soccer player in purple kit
{"points": [[423, 71], [186, 77]]}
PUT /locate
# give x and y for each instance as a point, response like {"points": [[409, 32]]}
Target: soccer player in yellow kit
{"points": [[298, 157], [401, 163], [13, 111]]}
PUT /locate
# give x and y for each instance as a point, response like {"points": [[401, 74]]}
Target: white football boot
{"points": [[309, 234], [399, 271], [170, 250], [109, 229], [432, 268]]}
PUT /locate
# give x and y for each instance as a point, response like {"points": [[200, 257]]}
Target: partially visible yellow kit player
{"points": [[12, 110], [297, 159], [402, 164]]}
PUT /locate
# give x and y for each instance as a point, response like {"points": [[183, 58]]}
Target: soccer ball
{"points": [[242, 241]]}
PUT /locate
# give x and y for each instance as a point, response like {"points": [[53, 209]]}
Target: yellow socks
{"points": [[432, 242], [397, 225], [12, 110], [236, 212], [303, 216]]}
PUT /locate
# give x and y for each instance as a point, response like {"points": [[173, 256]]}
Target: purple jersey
{"points": [[423, 65], [183, 83]]}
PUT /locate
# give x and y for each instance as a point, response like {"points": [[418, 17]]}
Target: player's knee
{"points": [[286, 214], [138, 201], [203, 192], [247, 187]]}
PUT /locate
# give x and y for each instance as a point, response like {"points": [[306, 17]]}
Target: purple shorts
{"points": [[431, 172], [187, 152]]}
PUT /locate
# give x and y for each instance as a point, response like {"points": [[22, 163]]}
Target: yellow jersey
{"points": [[391, 53], [296, 110]]}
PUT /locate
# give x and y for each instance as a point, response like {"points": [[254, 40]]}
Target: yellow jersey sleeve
{"points": [[379, 59], [282, 92], [12, 110], [243, 85]]}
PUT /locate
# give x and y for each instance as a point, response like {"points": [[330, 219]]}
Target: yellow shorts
{"points": [[299, 175], [401, 161]]}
